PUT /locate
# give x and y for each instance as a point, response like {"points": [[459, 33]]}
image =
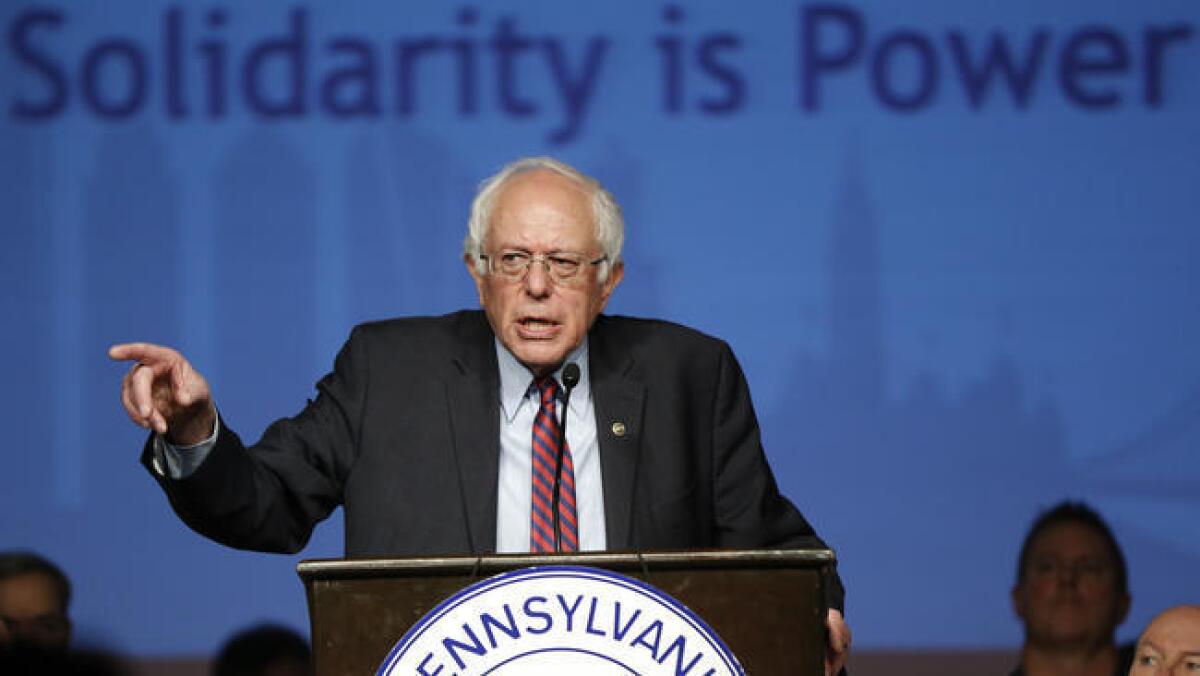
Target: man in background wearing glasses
{"points": [[423, 430]]}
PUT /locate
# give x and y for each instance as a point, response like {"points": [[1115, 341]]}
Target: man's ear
{"points": [[1018, 600], [615, 274]]}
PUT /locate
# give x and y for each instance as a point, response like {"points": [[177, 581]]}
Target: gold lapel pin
{"points": [[618, 428]]}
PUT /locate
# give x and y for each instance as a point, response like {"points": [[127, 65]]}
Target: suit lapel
{"points": [[618, 399], [472, 398]]}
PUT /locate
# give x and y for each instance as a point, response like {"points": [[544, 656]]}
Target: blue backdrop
{"points": [[954, 244]]}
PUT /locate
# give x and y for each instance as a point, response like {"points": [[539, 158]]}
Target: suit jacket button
{"points": [[618, 428]]}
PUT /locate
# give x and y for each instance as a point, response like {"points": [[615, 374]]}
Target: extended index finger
{"points": [[146, 353]]}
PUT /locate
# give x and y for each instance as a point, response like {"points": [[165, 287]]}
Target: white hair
{"points": [[608, 225]]}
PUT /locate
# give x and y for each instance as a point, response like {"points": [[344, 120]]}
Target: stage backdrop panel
{"points": [[954, 245]]}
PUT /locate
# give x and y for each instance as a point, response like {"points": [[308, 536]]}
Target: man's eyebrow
{"points": [[1147, 643]]}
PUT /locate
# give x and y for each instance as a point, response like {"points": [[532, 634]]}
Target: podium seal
{"points": [[546, 620]]}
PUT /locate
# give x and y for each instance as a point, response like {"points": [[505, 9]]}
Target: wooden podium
{"points": [[767, 605]]}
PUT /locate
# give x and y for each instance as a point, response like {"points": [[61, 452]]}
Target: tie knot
{"points": [[547, 388]]}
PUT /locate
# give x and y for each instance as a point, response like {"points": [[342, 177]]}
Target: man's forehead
{"points": [[1070, 535], [542, 186], [1179, 625], [540, 213], [544, 179], [31, 588]]}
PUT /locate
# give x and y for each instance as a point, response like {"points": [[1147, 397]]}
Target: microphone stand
{"points": [[570, 377]]}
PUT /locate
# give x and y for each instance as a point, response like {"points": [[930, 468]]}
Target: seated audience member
{"points": [[264, 650], [34, 595], [35, 630], [1170, 646], [1071, 594]]}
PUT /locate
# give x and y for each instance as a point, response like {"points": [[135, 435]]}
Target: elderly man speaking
{"points": [[427, 430]]}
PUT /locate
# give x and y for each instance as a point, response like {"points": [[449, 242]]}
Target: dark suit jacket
{"points": [[1126, 652], [405, 434]]}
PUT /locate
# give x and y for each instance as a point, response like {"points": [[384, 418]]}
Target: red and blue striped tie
{"points": [[545, 441]]}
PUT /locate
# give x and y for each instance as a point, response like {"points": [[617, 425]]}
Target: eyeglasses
{"points": [[563, 267]]}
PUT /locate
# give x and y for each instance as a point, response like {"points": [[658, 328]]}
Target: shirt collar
{"points": [[516, 380]]}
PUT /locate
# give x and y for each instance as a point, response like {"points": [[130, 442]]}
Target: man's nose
{"points": [[537, 278], [1068, 574]]}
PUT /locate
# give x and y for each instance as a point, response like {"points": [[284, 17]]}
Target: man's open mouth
{"points": [[534, 327]]}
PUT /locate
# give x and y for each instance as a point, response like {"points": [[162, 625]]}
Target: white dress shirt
{"points": [[519, 403]]}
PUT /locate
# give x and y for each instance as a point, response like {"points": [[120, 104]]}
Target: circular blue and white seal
{"points": [[542, 621]]}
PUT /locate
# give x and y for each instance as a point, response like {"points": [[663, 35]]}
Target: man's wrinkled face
{"points": [[32, 612], [1069, 595], [1170, 646], [540, 321]]}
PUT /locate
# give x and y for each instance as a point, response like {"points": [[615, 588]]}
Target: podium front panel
{"points": [[767, 605]]}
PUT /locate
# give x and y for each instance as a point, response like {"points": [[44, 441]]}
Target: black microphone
{"points": [[570, 378]]}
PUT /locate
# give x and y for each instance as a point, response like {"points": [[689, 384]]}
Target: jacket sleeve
{"points": [[270, 496], [749, 509]]}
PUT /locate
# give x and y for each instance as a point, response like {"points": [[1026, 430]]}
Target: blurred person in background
{"points": [[1072, 592], [34, 597], [35, 628], [264, 650]]}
